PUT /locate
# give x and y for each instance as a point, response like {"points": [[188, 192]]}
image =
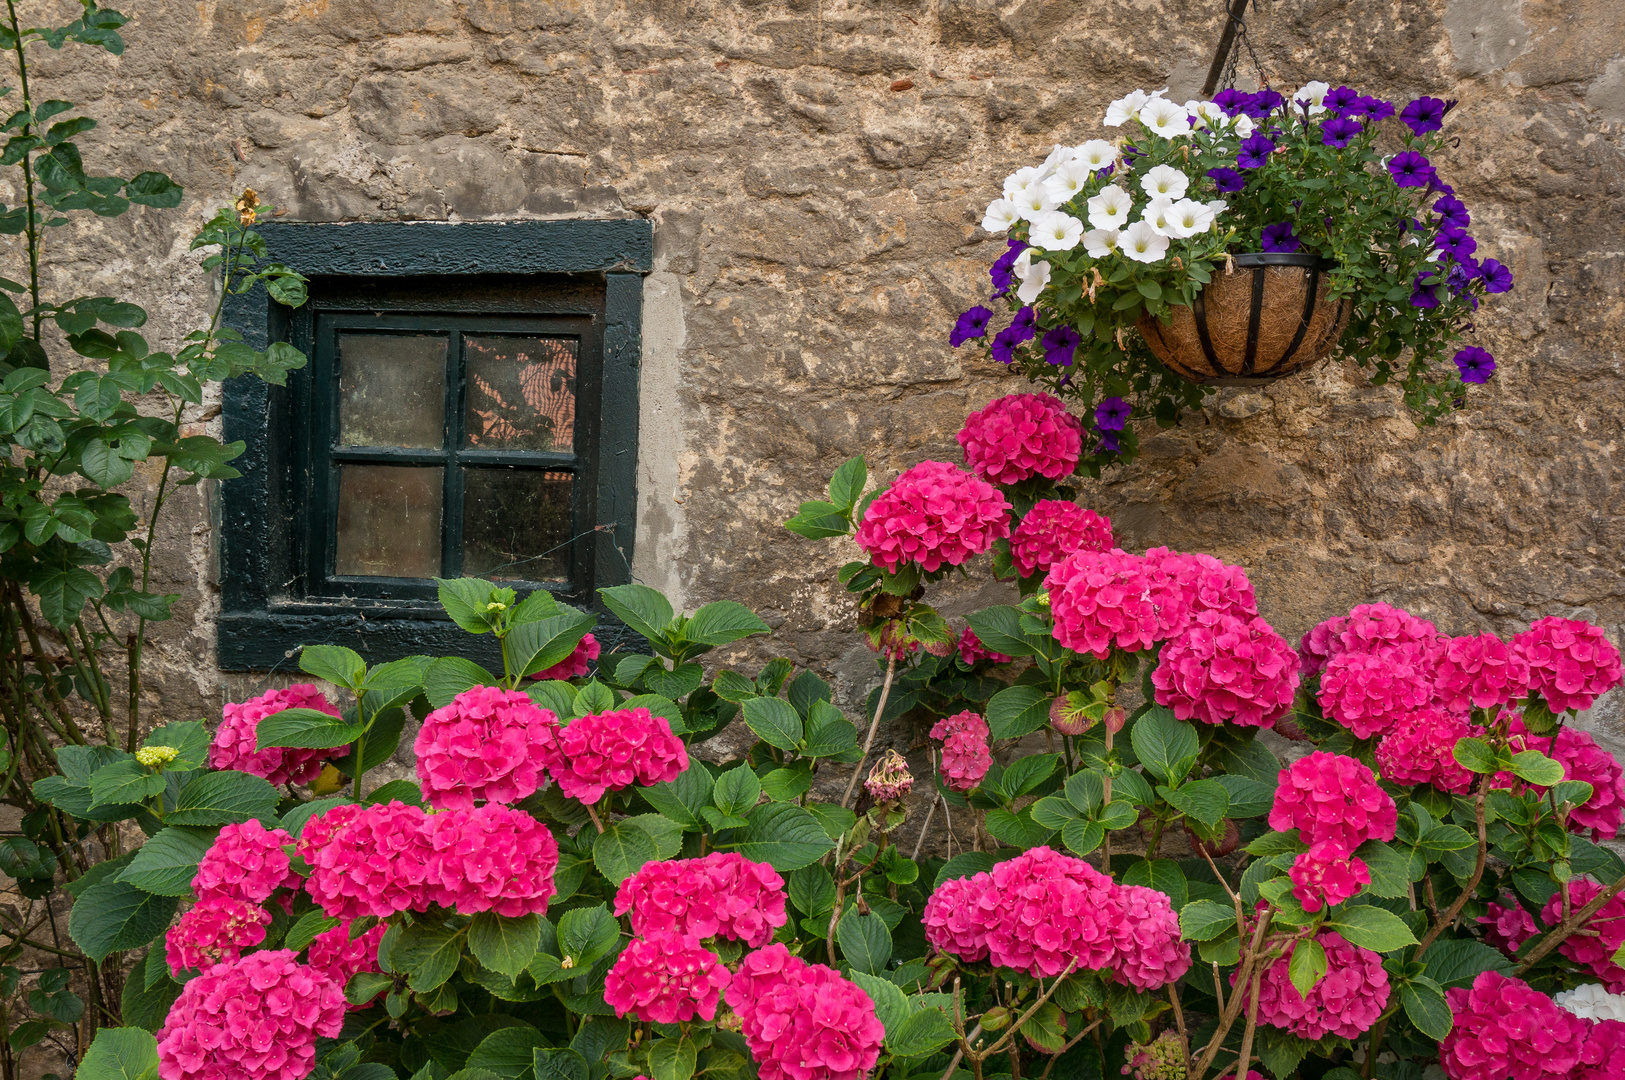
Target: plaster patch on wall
{"points": [[1486, 35], [1607, 93], [662, 536]]}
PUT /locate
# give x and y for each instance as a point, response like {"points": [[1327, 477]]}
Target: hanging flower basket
{"points": [[1274, 315]]}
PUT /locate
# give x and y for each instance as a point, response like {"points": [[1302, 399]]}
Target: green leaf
{"points": [[641, 608], [1081, 837], [226, 797], [891, 1006], [1307, 966], [467, 601], [166, 864], [189, 739], [587, 934], [1017, 830], [1371, 928], [1204, 920], [539, 644], [1536, 768], [509, 1052], [1025, 774], [1458, 961], [1205, 800], [1164, 745], [366, 985], [846, 486], [338, 665], [427, 954], [1163, 875], [812, 890], [787, 785], [681, 799], [774, 721], [562, 1064], [671, 1059], [784, 836], [449, 676], [295, 820], [121, 1053], [999, 630], [311, 925], [965, 864], [123, 783], [926, 1032], [1054, 811], [1248, 797], [829, 733], [1477, 756], [113, 916], [502, 943], [677, 683], [621, 850], [1426, 1007], [1017, 711], [864, 940], [737, 790], [722, 622], [307, 729], [1390, 871]]}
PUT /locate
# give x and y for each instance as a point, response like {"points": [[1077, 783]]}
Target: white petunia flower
{"points": [[1165, 181], [1032, 275], [1068, 180], [1165, 118], [1312, 95], [1218, 206], [1110, 208], [1000, 215], [1187, 217], [1056, 231], [1156, 214], [1096, 153], [1206, 114], [1243, 124], [1592, 1002], [1142, 243], [1119, 111], [1057, 157], [1032, 200], [1019, 179], [1100, 242]]}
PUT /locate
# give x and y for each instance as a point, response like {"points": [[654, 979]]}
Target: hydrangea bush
{"points": [[1128, 225]]}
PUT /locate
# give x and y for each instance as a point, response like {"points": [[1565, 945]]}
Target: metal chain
{"points": [[1232, 65]]}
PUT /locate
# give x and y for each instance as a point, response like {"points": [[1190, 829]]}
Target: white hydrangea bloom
{"points": [[1165, 181], [1187, 217], [1166, 118], [1000, 215], [1156, 214], [1100, 242], [1056, 231], [1592, 1002], [1068, 181], [1019, 179], [1032, 275], [1142, 243], [1311, 95], [1096, 154], [1032, 200], [1110, 208], [1119, 111]]}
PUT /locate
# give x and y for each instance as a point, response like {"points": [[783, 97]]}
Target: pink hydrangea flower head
{"points": [[1603, 1055], [491, 858], [1346, 1001], [376, 863], [666, 978], [1021, 436], [1325, 876], [234, 742], [217, 929], [607, 751], [1508, 926], [335, 954], [1054, 909], [320, 829], [965, 754], [247, 862], [1149, 954], [255, 1018], [577, 663], [1593, 952], [803, 1021], [1102, 600], [487, 744], [1570, 662], [1222, 668], [972, 651], [1503, 1028], [959, 915], [1317, 646], [1371, 627], [1367, 691], [1331, 798], [1582, 759], [722, 894], [1420, 749], [1479, 671], [1206, 583], [934, 515], [1054, 529]]}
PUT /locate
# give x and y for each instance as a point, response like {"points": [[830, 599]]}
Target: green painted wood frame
{"points": [[544, 269]]}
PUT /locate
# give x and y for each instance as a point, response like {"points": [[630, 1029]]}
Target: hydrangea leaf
{"points": [[1166, 746], [1426, 1007], [1205, 920], [774, 721], [1017, 711], [166, 864], [891, 1005], [307, 729], [723, 622], [682, 799], [535, 646], [672, 1059], [508, 1052], [1371, 928], [504, 944], [1458, 961], [965, 864], [642, 609], [1307, 966], [926, 1032], [226, 797], [1390, 871], [621, 850], [736, 790], [1536, 768], [120, 1053], [115, 916], [785, 836], [1163, 875], [561, 1064]]}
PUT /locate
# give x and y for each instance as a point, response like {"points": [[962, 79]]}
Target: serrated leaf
{"points": [[1017, 711], [1307, 965], [774, 721], [784, 836], [926, 1032], [864, 940], [226, 797], [1165, 745], [166, 864], [115, 916], [1372, 928], [502, 943], [621, 850], [1536, 768], [723, 622], [1425, 1006], [1205, 920], [307, 729]]}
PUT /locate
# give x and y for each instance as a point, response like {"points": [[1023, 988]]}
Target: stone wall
{"points": [[815, 170]]}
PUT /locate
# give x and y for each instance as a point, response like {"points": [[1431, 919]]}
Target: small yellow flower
{"points": [[248, 206], [1043, 599], [154, 756], [496, 605]]}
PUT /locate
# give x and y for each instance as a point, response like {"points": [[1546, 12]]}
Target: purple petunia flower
{"points": [[1456, 244], [1453, 212], [1376, 110], [1339, 130], [1004, 344], [972, 324], [1108, 443], [1003, 270], [1476, 365], [1025, 324], [1497, 278], [1227, 180], [1106, 171], [1112, 414], [1343, 101], [1425, 114], [1255, 150], [1060, 342], [1264, 102], [1425, 293], [1280, 237], [1410, 169], [1437, 187], [1234, 102]]}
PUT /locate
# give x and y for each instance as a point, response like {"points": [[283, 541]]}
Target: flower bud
{"points": [[1115, 718], [153, 756], [890, 779]]}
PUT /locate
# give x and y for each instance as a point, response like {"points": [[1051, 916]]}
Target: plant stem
{"points": [[28, 170], [1449, 916], [1246, 1054], [926, 827], [874, 725], [1568, 926]]}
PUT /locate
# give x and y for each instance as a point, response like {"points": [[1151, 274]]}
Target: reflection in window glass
{"points": [[521, 392], [516, 524], [392, 390], [388, 521]]}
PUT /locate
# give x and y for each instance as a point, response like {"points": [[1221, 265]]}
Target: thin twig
{"points": [[1557, 936], [874, 725], [1467, 890], [925, 828]]}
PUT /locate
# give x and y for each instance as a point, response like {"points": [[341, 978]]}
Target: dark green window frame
{"points": [[577, 279]]}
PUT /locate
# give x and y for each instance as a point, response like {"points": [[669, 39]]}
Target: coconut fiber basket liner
{"points": [[1267, 320]]}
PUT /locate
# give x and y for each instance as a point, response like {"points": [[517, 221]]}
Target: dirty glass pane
{"points": [[389, 521], [521, 392], [392, 390], [516, 524]]}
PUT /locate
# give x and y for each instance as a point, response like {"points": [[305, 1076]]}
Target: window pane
{"points": [[521, 392], [389, 521], [392, 390], [516, 524]]}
